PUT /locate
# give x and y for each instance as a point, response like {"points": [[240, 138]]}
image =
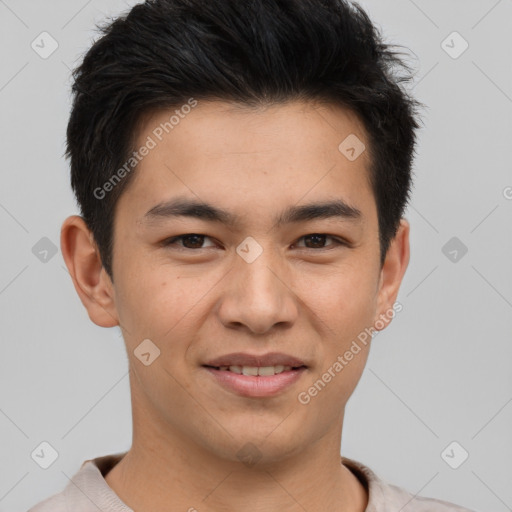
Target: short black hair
{"points": [[256, 53]]}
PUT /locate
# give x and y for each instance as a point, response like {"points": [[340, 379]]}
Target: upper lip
{"points": [[269, 359]]}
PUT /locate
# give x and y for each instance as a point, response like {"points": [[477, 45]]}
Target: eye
{"points": [[195, 241], [189, 241], [317, 240]]}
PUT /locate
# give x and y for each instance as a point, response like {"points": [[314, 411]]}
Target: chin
{"points": [[261, 448]]}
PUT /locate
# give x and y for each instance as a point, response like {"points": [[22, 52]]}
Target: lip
{"points": [[255, 386], [244, 359]]}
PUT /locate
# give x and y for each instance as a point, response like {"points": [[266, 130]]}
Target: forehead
{"points": [[252, 157], [221, 127]]}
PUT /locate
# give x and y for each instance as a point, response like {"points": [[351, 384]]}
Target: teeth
{"points": [[255, 370], [250, 370], [266, 370]]}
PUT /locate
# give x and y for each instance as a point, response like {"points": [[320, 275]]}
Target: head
{"points": [[280, 132]]}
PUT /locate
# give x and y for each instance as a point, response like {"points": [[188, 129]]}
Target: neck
{"points": [[178, 474]]}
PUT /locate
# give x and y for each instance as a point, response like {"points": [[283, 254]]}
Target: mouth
{"points": [[256, 375], [256, 381], [256, 371]]}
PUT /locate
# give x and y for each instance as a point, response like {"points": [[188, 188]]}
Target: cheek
{"points": [[166, 306], [344, 301], [151, 303], [345, 307]]}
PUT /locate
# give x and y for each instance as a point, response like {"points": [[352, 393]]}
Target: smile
{"points": [[256, 370], [256, 381]]}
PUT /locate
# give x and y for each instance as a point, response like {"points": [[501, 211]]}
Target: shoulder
{"points": [[408, 502], [54, 503], [386, 497], [87, 491]]}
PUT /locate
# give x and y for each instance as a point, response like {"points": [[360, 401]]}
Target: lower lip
{"points": [[252, 386]]}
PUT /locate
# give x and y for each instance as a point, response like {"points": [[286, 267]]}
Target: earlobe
{"points": [[91, 282], [392, 273]]}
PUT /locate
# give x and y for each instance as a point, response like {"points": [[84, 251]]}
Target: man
{"points": [[242, 170]]}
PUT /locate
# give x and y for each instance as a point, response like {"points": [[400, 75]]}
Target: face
{"points": [[284, 260]]}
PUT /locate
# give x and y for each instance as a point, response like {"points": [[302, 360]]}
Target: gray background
{"points": [[439, 373]]}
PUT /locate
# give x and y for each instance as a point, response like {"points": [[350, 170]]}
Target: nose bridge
{"points": [[260, 276], [258, 296]]}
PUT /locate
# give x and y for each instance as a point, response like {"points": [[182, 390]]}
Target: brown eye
{"points": [[189, 241], [318, 240]]}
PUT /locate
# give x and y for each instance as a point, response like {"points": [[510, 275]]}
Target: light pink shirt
{"points": [[89, 492]]}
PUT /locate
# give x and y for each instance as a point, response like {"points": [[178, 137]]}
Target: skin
{"points": [[308, 299]]}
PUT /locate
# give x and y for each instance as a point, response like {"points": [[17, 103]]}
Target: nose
{"points": [[258, 295]]}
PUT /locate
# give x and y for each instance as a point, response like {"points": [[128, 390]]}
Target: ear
{"points": [[92, 283], [392, 272]]}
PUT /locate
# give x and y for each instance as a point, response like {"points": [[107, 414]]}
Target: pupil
{"points": [[318, 239], [198, 240]]}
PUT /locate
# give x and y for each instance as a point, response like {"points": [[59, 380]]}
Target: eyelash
{"points": [[338, 242]]}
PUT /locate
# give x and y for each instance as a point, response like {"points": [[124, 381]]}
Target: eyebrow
{"points": [[185, 207]]}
